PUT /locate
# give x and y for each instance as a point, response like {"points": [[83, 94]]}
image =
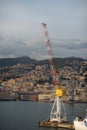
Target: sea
{"points": [[25, 115]]}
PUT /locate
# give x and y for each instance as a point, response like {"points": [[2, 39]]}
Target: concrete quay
{"points": [[55, 124]]}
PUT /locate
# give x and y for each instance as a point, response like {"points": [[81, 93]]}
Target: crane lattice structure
{"points": [[58, 112]]}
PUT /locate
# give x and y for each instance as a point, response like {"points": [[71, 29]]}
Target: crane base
{"points": [[56, 124]]}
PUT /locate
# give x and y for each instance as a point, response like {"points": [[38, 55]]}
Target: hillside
{"points": [[59, 62], [14, 61]]}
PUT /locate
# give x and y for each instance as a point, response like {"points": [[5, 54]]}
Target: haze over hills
{"points": [[27, 60]]}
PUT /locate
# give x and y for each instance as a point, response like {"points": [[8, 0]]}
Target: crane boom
{"points": [[55, 74], [50, 52]]}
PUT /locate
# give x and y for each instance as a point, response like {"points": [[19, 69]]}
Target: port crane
{"points": [[58, 112]]}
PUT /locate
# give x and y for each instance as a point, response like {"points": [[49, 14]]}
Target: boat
{"points": [[80, 124]]}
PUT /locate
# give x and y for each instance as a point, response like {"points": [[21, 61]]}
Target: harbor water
{"points": [[25, 115]]}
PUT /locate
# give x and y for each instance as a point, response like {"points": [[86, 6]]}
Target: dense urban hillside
{"points": [[59, 62], [24, 78]]}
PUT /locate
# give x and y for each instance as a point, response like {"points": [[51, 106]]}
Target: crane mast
{"points": [[58, 112]]}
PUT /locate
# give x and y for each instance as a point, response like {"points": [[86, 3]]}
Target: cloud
{"points": [[16, 48], [37, 49], [72, 44], [20, 26], [69, 47]]}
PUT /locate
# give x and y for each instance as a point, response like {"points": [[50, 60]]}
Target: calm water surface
{"points": [[26, 115]]}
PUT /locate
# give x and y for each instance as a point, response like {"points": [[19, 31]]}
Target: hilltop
{"points": [[59, 62], [14, 61]]}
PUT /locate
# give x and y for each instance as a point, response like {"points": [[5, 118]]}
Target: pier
{"points": [[56, 124]]}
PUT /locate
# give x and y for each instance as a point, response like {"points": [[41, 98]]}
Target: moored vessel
{"points": [[80, 124]]}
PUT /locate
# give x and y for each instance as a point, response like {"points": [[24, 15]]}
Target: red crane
{"points": [[58, 112], [54, 72]]}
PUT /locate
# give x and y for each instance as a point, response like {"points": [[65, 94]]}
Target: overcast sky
{"points": [[21, 32]]}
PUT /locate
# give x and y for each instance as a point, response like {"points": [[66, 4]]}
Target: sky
{"points": [[21, 32]]}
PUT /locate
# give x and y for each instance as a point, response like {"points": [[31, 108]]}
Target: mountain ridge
{"points": [[28, 60]]}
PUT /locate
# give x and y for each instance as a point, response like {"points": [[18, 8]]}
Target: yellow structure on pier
{"points": [[60, 91]]}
